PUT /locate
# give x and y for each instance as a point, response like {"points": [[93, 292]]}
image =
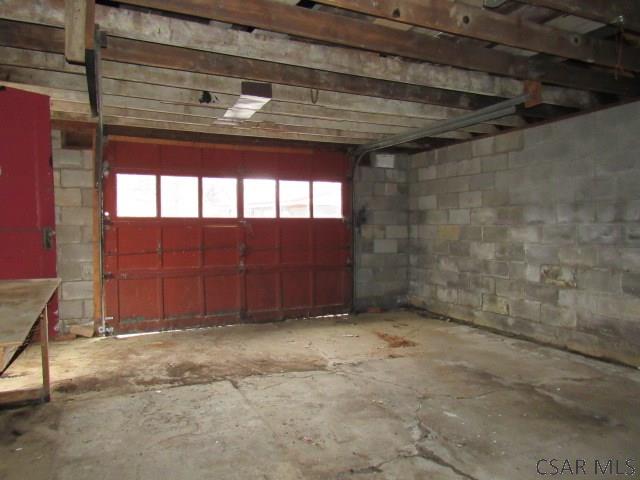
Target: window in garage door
{"points": [[215, 234]]}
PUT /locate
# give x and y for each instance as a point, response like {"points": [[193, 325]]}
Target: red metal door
{"points": [[27, 212], [163, 273]]}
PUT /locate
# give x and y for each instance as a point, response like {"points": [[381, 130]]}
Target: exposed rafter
{"points": [[625, 13], [466, 20], [337, 29]]}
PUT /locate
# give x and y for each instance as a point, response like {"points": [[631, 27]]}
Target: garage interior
{"points": [[349, 238]]}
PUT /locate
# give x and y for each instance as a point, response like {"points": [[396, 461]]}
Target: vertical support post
{"points": [[44, 347]]}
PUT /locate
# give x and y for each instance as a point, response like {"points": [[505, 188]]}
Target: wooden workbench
{"points": [[22, 304]]}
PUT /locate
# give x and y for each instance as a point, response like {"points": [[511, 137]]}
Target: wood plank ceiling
{"points": [[343, 71]]}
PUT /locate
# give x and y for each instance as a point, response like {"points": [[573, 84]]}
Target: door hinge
{"points": [[47, 237]]}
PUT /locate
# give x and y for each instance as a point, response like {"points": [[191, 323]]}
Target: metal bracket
{"points": [[104, 330]]}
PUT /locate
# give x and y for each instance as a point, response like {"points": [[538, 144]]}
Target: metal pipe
{"points": [[500, 109]]}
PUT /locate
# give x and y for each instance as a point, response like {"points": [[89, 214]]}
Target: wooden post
{"points": [[44, 347]]}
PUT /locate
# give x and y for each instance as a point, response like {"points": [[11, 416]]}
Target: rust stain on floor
{"points": [[395, 341]]}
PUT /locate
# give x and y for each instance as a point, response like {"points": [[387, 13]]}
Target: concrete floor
{"points": [[387, 396]]}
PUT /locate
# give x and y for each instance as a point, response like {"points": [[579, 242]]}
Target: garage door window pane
{"points": [[294, 199], [219, 197], [136, 195], [179, 197], [327, 200], [259, 198]]}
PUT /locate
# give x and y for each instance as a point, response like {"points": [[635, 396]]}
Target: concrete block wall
{"points": [[382, 246], [74, 202], [535, 232]]}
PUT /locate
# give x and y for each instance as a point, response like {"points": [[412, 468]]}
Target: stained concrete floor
{"points": [[386, 396]]}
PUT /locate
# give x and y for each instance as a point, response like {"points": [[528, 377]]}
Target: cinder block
{"points": [[385, 246], [532, 273], [77, 290], [538, 214], [68, 309], [483, 147], [471, 233], [448, 232], [69, 271], [484, 216], [510, 288], [559, 234], [558, 316], [632, 235], [447, 200], [87, 271], [458, 184], [495, 304], [484, 251], [77, 216], [459, 216], [517, 270], [541, 293], [526, 234], [75, 252], [600, 233], [631, 284], [617, 306], [509, 251], [437, 217], [427, 173], [397, 231], [599, 280], [618, 212], [68, 197], [482, 284], [64, 158], [523, 308], [510, 215], [459, 249], [68, 234], [496, 269], [558, 275], [576, 213], [447, 295], [87, 197], [470, 199], [495, 198], [578, 255], [508, 142], [495, 163], [76, 178], [470, 298], [495, 234], [482, 181], [427, 202], [459, 151]]}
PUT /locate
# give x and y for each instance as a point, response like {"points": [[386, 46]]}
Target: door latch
{"points": [[47, 237]]}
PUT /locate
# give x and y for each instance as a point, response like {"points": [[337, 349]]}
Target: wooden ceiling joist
{"points": [[154, 28], [623, 13], [342, 30], [466, 20]]}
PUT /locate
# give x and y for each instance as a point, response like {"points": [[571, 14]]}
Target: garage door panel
{"points": [[133, 154], [221, 244], [221, 162], [139, 299], [295, 241], [294, 166], [262, 291], [260, 164], [262, 243], [179, 158], [330, 166], [330, 287], [182, 296], [222, 294], [296, 289], [181, 246], [138, 247]]}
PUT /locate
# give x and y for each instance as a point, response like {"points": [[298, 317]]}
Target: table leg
{"points": [[44, 347]]}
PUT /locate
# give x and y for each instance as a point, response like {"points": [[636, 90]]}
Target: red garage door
{"points": [[208, 235]]}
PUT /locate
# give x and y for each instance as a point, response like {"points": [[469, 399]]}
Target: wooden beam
{"points": [[341, 30], [49, 39], [287, 101], [461, 19], [75, 23], [611, 12], [360, 63]]}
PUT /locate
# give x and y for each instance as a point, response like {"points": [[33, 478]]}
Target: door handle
{"points": [[47, 237]]}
